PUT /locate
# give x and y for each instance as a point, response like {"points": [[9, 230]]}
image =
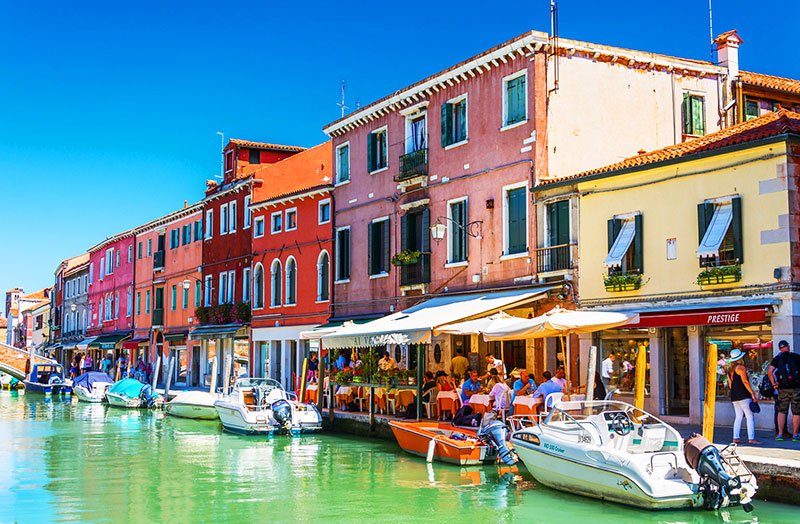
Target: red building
{"points": [[224, 317], [111, 271], [292, 238]]}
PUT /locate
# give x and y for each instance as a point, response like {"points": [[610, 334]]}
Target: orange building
{"points": [[169, 252]]}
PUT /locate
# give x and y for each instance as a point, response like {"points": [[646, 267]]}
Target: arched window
{"points": [[291, 281], [258, 287], [275, 292], [323, 277]]}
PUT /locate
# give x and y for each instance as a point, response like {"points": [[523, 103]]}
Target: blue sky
{"points": [[109, 110]]}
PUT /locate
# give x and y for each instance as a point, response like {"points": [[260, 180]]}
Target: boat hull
{"points": [[195, 411], [236, 419], [47, 389], [97, 395], [415, 438], [122, 401]]}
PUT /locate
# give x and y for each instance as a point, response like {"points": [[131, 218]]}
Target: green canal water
{"points": [[64, 461]]}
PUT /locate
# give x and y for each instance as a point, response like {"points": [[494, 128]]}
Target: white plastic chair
{"points": [[610, 394], [551, 400]]}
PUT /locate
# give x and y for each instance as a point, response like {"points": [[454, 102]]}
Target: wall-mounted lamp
{"points": [[566, 291], [473, 229]]}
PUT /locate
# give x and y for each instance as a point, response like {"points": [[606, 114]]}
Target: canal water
{"points": [[64, 461]]}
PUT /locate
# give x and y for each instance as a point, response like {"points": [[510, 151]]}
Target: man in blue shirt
{"points": [[470, 387], [551, 386], [523, 386]]}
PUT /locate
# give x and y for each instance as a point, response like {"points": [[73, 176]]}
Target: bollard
{"points": [[590, 371], [641, 369], [214, 371], [710, 399]]}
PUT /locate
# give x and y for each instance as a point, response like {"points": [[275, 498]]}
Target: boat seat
{"points": [[648, 439]]}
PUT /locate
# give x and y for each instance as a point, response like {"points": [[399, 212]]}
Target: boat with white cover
{"points": [[92, 386], [260, 406], [613, 451], [193, 404]]}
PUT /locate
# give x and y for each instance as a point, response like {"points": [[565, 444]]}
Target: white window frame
{"points": [[130, 254], [506, 79], [129, 302], [286, 282], [258, 221], [223, 287], [232, 217], [339, 181], [231, 286], [246, 285], [102, 268], [147, 302], [525, 253], [248, 213], [385, 131], [319, 277], [207, 290], [116, 305], [319, 211], [110, 261], [455, 100], [273, 303], [209, 228], [91, 272], [286, 219], [335, 264], [382, 274], [256, 304], [223, 219], [272, 229], [423, 112], [451, 228]]}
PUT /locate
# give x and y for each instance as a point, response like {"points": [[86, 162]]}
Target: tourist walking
{"points": [[107, 364], [784, 372], [459, 365], [742, 395], [88, 363], [607, 370]]}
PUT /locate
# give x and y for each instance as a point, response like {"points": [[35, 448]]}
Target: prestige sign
{"points": [[753, 315]]}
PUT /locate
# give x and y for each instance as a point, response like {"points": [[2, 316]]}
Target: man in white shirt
{"points": [[494, 363], [607, 370]]}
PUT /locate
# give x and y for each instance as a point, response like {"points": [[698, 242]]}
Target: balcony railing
{"points": [[158, 260], [418, 273], [413, 164], [158, 317], [555, 258]]}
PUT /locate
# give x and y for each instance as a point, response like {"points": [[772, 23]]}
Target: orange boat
{"points": [[434, 441]]}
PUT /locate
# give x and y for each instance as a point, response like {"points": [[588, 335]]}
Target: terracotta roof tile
{"points": [[296, 174], [264, 145], [778, 83], [3, 322], [771, 124]]}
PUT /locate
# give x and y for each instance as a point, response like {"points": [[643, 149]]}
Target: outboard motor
{"points": [[282, 413], [55, 379], [493, 432], [148, 396], [716, 485]]}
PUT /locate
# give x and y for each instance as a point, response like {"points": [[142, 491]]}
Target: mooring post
{"points": [[710, 400]]}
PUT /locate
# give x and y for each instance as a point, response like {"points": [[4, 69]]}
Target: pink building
{"points": [[111, 272]]}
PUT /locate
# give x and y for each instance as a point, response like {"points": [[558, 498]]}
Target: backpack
{"points": [[765, 388], [787, 372]]}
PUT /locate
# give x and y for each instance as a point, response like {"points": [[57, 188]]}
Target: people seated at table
{"points": [[560, 377], [459, 365], [443, 382], [466, 416], [428, 385], [493, 363], [342, 361], [470, 386], [554, 385], [498, 392], [387, 363], [523, 386]]}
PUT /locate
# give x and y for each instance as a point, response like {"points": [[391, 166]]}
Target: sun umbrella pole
{"points": [[709, 402], [155, 371], [641, 367]]}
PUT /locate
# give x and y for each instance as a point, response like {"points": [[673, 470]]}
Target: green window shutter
{"points": [[614, 226], [750, 109], [638, 244], [404, 232], [705, 211], [447, 124], [520, 93], [686, 114], [371, 152], [425, 233], [698, 115], [370, 248], [386, 246], [462, 120], [736, 228], [516, 221], [561, 223]]}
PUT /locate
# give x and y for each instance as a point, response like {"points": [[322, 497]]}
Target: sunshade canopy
{"points": [[621, 244], [477, 326], [717, 229], [560, 321]]}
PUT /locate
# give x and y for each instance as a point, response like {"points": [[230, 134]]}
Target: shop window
{"points": [[754, 340], [624, 344]]}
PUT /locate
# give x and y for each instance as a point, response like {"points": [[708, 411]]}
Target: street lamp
{"points": [[473, 229], [73, 307]]}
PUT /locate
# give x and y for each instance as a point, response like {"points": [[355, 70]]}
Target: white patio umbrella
{"points": [[478, 326]]}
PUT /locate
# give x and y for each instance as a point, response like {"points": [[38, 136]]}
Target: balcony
{"points": [[413, 164], [555, 258], [158, 261], [158, 317], [417, 273]]}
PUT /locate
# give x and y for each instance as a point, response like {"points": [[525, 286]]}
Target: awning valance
{"points": [[416, 324], [717, 229], [83, 345], [176, 336], [216, 331], [621, 244], [108, 341]]}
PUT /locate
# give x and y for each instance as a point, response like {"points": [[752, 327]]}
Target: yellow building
{"points": [[698, 238]]}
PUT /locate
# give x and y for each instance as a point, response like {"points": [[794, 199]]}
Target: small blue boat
{"points": [[130, 393], [47, 379]]}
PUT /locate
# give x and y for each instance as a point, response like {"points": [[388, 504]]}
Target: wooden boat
{"points": [[47, 379], [434, 440]]}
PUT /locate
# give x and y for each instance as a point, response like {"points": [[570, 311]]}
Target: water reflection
{"points": [[78, 462]]}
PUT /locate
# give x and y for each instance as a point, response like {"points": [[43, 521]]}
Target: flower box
{"points": [[622, 282], [713, 276], [406, 258], [616, 288]]}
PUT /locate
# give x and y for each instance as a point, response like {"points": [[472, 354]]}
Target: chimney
{"points": [[185, 204], [728, 52]]}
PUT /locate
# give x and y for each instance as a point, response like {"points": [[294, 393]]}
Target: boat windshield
{"points": [[247, 383]]}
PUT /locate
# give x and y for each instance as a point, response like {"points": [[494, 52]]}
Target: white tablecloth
{"points": [[527, 400], [480, 399]]}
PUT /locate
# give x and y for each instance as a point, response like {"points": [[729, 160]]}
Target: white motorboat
{"points": [[193, 404], [260, 406], [130, 393], [613, 451], [92, 386]]}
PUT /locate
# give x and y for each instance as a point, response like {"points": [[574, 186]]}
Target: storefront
{"points": [[279, 352], [216, 343]]}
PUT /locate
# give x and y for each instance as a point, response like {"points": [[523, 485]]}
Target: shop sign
{"points": [[704, 318]]}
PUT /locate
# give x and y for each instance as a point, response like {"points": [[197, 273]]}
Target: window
{"points": [[110, 261], [258, 228], [457, 226], [277, 222], [223, 219], [130, 254], [248, 213], [129, 303], [185, 301], [91, 272], [197, 293], [149, 247], [343, 163], [291, 219], [515, 99], [694, 118], [232, 217], [198, 230], [275, 292], [116, 263], [139, 303], [223, 287], [116, 305], [174, 238], [208, 291], [454, 121], [378, 247], [377, 150], [751, 109], [231, 286], [139, 251], [324, 215], [625, 245], [102, 268], [173, 298], [186, 234], [258, 287], [147, 302], [719, 224], [209, 223], [323, 277], [228, 160], [246, 285], [291, 282], [343, 254], [515, 220], [254, 156]]}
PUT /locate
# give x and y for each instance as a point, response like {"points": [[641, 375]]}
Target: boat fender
{"points": [[431, 449]]}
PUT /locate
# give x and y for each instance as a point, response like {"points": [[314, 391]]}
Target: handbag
{"points": [[754, 407]]}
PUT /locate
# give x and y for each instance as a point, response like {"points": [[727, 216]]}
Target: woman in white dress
{"points": [[498, 393]]}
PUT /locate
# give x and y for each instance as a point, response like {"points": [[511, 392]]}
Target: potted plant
{"points": [[720, 275], [241, 313], [358, 375], [201, 313], [344, 376], [622, 281], [406, 257]]}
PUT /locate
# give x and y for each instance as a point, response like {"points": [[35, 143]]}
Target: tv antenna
{"points": [[711, 30], [342, 104], [554, 41]]}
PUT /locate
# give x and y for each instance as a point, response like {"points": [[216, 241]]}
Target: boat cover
{"points": [[128, 387], [87, 380]]}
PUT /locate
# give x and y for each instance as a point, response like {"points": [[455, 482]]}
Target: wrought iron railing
{"points": [[158, 260], [417, 273], [555, 258], [158, 317], [413, 164]]}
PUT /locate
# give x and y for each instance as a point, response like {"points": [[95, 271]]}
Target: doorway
{"points": [[676, 342], [195, 374]]}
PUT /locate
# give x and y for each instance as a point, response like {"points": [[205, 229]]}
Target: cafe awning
{"points": [[83, 345], [108, 341], [329, 328], [416, 324], [477, 326], [176, 336], [216, 331]]}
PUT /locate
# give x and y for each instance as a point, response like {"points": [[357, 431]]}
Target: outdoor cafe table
{"points": [[311, 393], [480, 403], [345, 395], [525, 404]]}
